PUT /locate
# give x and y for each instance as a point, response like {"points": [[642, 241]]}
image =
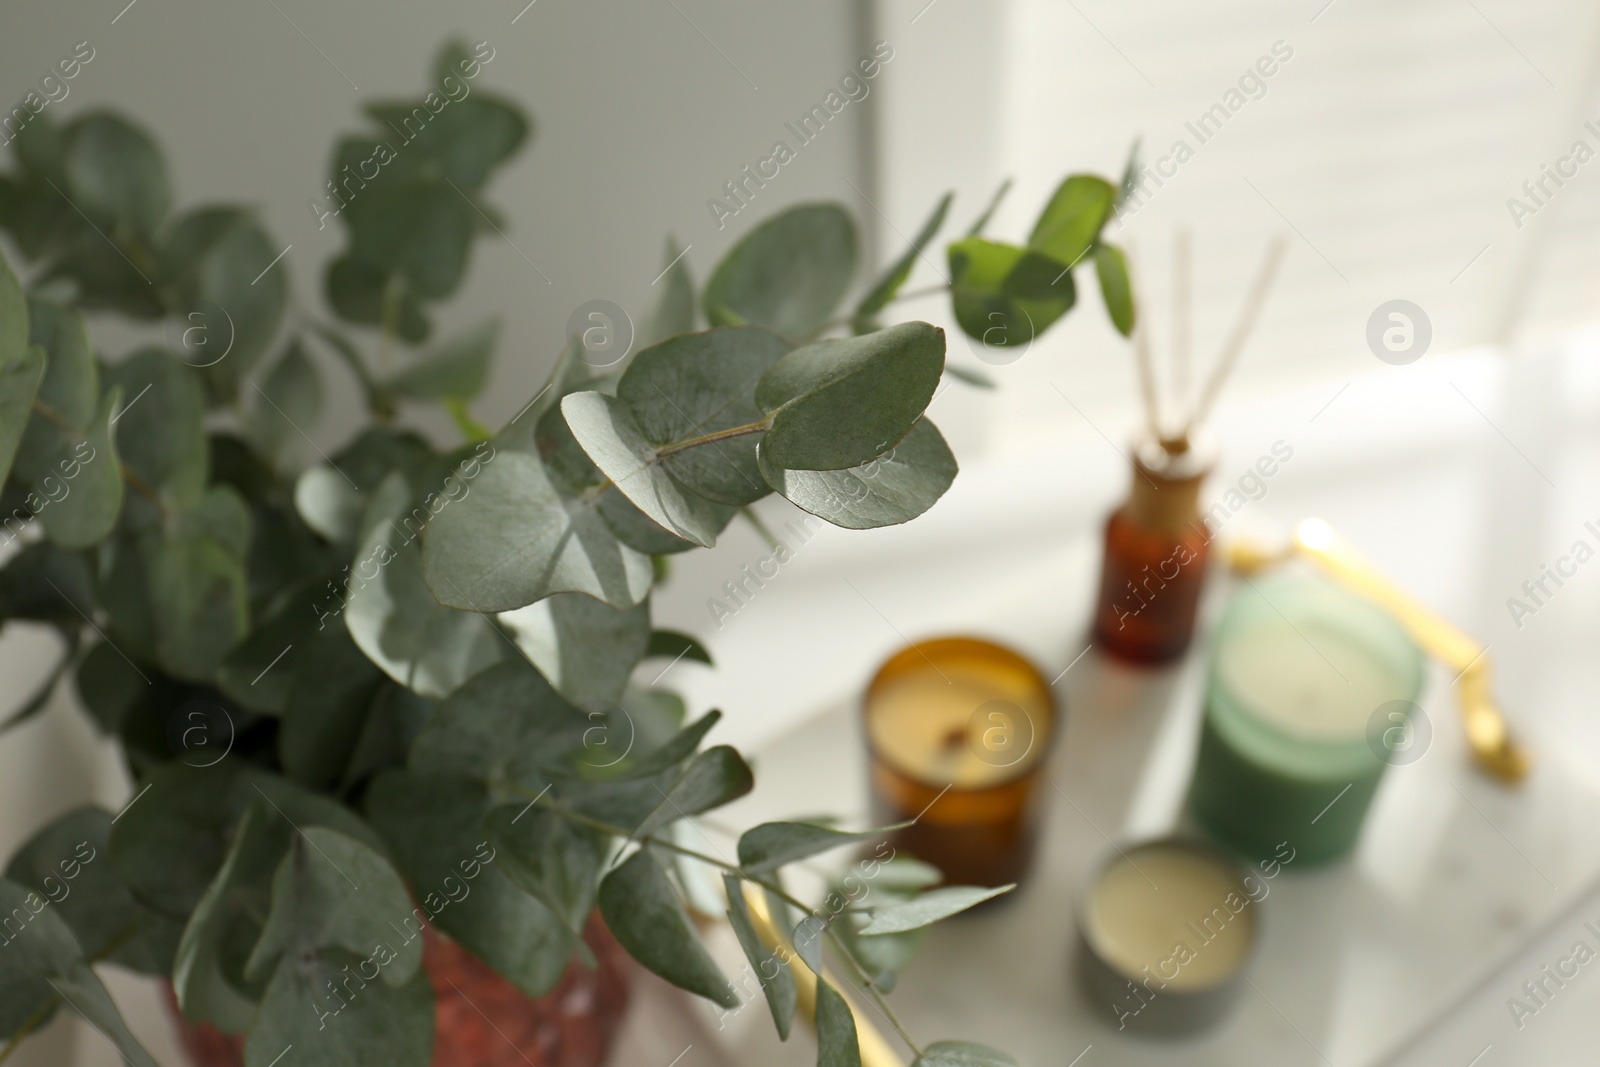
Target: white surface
{"points": [[1457, 880]]}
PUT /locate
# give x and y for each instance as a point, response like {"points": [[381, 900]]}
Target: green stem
{"points": [[28, 1026], [679, 446], [761, 528], [915, 294], [872, 991], [390, 322], [711, 438]]}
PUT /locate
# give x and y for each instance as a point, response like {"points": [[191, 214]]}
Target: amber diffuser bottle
{"points": [[1156, 545]]}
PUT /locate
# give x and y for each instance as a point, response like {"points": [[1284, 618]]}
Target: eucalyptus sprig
{"points": [[395, 688]]}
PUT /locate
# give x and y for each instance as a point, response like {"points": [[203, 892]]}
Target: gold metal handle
{"points": [[875, 1049], [1491, 742]]}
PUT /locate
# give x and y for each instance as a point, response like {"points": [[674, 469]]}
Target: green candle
{"points": [[1300, 673]]}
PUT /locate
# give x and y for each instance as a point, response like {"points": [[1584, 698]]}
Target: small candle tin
{"points": [[1166, 930]]}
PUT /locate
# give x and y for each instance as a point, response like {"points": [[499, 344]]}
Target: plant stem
{"points": [[28, 1026], [761, 528], [390, 323], [915, 294], [711, 438], [872, 991], [776, 890], [56, 419]]}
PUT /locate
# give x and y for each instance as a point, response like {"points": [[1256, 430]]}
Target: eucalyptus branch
{"points": [[59, 421], [32, 1022], [872, 990], [771, 886], [679, 446]]}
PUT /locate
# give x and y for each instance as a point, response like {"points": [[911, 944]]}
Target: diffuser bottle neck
{"points": [[1166, 483]]}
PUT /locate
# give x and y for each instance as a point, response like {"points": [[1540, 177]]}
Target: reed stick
{"points": [[1182, 317], [1141, 349], [1231, 348]]}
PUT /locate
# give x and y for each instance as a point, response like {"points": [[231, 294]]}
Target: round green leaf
{"points": [[840, 403], [788, 274], [699, 384], [642, 910], [1072, 220], [115, 173], [894, 488]]}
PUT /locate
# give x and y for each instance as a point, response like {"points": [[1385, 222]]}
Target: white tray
{"points": [[1452, 874]]}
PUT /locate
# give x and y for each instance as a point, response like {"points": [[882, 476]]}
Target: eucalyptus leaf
{"points": [[196, 581], [549, 856], [504, 721], [643, 912], [962, 1054], [66, 862], [1006, 296], [45, 950], [330, 695], [46, 583], [1071, 222], [989, 209], [715, 777], [840, 403], [671, 310], [772, 844], [329, 503], [670, 644], [519, 538], [363, 292], [432, 823], [673, 751], [384, 1024], [169, 843], [698, 385], [233, 286], [259, 673], [455, 368], [88, 478], [115, 173], [19, 384], [289, 401], [393, 617], [777, 983], [837, 1045], [615, 441], [929, 908], [586, 648], [788, 274], [1112, 268], [14, 325], [888, 286], [208, 975], [161, 433], [896, 487], [331, 891]]}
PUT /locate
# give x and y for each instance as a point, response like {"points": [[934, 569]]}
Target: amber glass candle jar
{"points": [[1156, 546], [957, 731]]}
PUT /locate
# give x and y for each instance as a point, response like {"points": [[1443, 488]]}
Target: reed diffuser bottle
{"points": [[1156, 543], [1156, 546]]}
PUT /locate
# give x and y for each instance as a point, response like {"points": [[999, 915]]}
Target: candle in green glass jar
{"points": [[1300, 672]]}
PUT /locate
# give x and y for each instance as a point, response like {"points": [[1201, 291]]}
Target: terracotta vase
{"points": [[482, 1020]]}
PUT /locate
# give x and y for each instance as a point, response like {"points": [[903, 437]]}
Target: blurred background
{"points": [[1426, 151]]}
